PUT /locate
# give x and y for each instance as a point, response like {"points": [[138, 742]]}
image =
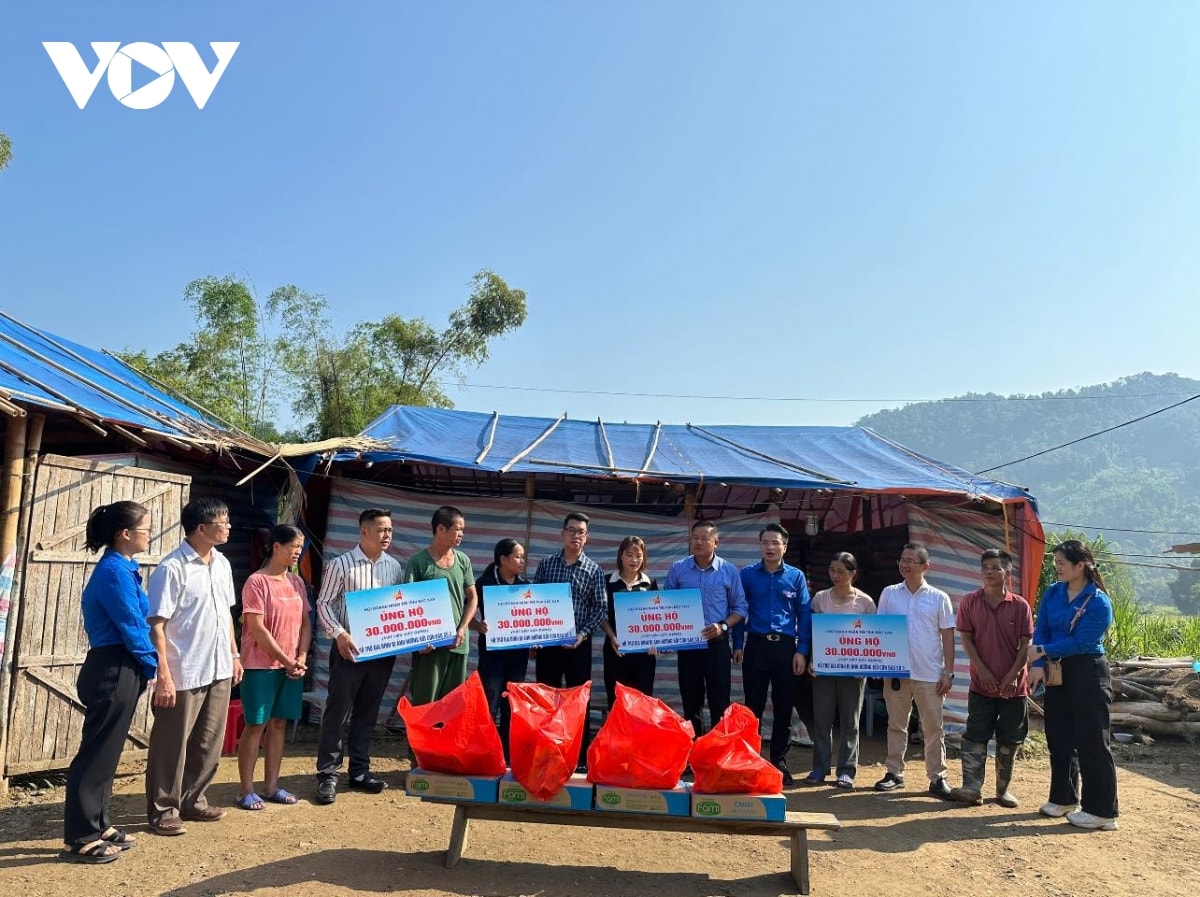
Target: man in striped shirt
{"points": [[355, 690]]}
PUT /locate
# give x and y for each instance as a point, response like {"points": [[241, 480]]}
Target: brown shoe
{"points": [[205, 814], [168, 827]]}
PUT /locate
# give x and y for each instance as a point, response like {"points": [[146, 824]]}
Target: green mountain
{"points": [[1141, 477]]}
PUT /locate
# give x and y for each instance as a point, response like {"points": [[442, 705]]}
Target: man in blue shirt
{"points": [[777, 635], [705, 672]]}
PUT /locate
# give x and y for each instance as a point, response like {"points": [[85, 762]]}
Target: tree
{"points": [[341, 386], [227, 365], [1185, 589], [5, 151], [248, 359]]}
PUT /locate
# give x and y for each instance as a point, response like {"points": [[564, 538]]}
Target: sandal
{"points": [[281, 797], [119, 838], [97, 853], [250, 801]]}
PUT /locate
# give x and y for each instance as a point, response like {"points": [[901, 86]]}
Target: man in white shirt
{"points": [[931, 664], [355, 689], [191, 627]]}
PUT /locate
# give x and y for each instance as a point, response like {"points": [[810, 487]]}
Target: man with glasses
{"points": [[191, 627], [570, 665], [778, 635], [355, 690], [931, 671], [705, 672]]}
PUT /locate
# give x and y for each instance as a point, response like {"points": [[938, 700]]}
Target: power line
{"points": [[1117, 529], [1088, 436], [835, 400]]}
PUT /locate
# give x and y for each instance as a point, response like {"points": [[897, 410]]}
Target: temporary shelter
{"points": [[834, 488]]}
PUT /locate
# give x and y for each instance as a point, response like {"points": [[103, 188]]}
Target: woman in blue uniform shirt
{"points": [[1072, 618], [119, 664]]}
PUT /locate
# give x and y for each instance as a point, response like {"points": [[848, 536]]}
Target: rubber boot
{"points": [[974, 768], [1006, 756]]}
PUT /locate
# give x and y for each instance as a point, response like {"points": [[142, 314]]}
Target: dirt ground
{"points": [[902, 842]]}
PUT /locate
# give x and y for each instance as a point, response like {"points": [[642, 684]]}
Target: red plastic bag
{"points": [[456, 734], [726, 760], [642, 744], [546, 734]]}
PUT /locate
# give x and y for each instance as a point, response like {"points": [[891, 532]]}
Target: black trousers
{"points": [[634, 670], [1005, 718], [496, 670], [354, 695], [561, 667], [802, 698], [110, 683], [769, 664], [1077, 735], [705, 673]]}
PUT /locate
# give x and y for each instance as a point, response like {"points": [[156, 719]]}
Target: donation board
{"points": [[860, 645], [400, 619], [669, 621], [529, 616]]}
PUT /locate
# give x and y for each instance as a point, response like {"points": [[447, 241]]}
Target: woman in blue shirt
{"points": [[1072, 618], [114, 674]]}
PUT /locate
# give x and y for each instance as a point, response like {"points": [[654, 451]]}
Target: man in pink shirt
{"points": [[996, 627]]}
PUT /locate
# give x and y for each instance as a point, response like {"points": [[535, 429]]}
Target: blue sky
{"points": [[803, 200]]}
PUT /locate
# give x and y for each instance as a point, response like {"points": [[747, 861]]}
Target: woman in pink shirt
{"points": [[276, 632], [838, 696]]}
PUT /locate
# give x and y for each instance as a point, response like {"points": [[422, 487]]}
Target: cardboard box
{"points": [[440, 786], [575, 795], [770, 807], [669, 802]]}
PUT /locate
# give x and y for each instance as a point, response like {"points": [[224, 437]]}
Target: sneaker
{"points": [[1080, 819], [940, 790], [890, 782], [788, 781], [813, 780], [1057, 811], [326, 791], [844, 782]]}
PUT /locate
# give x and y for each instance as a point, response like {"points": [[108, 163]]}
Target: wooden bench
{"points": [[795, 827]]}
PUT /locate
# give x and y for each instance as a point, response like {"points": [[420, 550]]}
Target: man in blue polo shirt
{"points": [[777, 635], [705, 672]]}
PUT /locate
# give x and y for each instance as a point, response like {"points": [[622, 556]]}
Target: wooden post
{"points": [[800, 860], [458, 836], [14, 471], [530, 495], [17, 492]]}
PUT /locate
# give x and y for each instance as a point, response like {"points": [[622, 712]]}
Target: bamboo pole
{"points": [[530, 495], [31, 437], [14, 471]]}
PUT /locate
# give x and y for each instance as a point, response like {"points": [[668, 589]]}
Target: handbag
{"points": [[1054, 670]]}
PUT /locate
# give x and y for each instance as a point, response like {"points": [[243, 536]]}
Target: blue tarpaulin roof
{"points": [[836, 458], [39, 368]]}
